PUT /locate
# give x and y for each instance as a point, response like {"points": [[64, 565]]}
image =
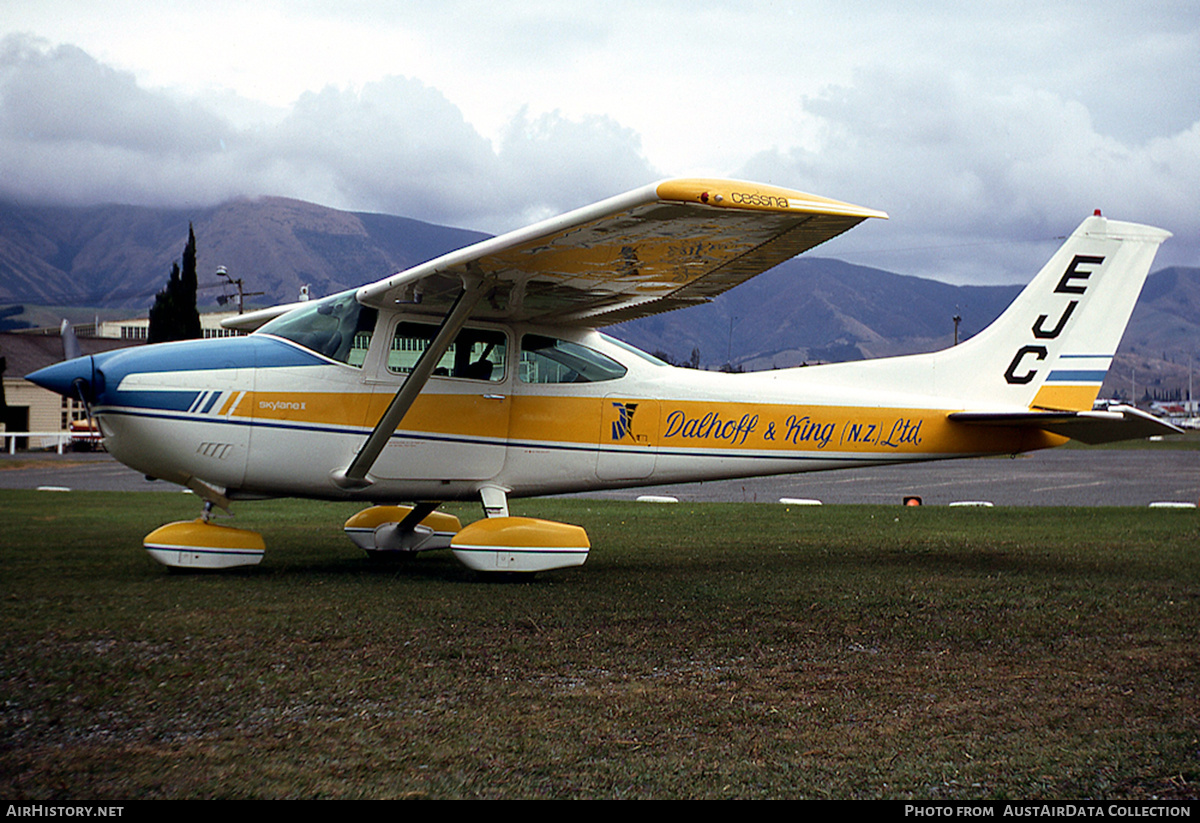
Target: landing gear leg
{"points": [[384, 531], [495, 501]]}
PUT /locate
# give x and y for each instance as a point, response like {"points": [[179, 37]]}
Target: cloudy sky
{"points": [[986, 130]]}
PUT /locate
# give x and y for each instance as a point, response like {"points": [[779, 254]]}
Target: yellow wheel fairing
{"points": [[376, 530], [520, 544], [201, 545], [377, 516], [522, 532]]}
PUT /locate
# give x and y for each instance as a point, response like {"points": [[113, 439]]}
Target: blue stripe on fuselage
{"points": [[180, 401]]}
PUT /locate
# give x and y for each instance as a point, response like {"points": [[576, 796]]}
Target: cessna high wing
{"points": [[481, 375]]}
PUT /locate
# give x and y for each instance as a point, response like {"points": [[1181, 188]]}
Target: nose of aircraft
{"points": [[64, 377]]}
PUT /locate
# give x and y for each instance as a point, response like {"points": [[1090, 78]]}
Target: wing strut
{"points": [[354, 476]]}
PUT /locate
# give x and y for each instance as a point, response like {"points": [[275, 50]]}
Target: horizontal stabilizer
{"points": [[1090, 427]]}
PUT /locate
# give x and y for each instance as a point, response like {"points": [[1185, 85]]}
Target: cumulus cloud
{"points": [[984, 172], [64, 96], [395, 144], [555, 164], [979, 174], [75, 131]]}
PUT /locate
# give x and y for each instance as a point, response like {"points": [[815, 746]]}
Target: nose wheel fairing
{"points": [[198, 544]]}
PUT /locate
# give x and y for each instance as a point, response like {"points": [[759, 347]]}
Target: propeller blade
{"points": [[70, 342]]}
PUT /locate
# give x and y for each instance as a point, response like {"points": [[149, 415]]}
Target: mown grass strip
{"points": [[705, 650]]}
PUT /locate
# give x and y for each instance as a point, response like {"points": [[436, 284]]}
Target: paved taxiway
{"points": [[1059, 477], [1063, 477]]}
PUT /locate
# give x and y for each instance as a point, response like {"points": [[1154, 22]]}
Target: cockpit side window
{"points": [[338, 327], [550, 360], [476, 354]]}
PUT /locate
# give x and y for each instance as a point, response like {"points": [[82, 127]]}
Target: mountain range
{"points": [[113, 259]]}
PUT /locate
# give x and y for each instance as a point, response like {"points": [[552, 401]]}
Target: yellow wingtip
{"points": [[741, 194]]}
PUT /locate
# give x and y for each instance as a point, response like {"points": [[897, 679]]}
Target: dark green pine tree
{"points": [[174, 315]]}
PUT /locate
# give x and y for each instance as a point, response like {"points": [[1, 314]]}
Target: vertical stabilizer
{"points": [[1052, 347]]}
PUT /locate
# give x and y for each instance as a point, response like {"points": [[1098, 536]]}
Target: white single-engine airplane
{"points": [[480, 375]]}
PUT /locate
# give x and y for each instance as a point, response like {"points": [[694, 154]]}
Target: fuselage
{"points": [[526, 410]]}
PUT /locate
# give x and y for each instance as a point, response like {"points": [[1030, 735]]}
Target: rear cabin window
{"points": [[649, 358], [476, 354], [550, 360]]}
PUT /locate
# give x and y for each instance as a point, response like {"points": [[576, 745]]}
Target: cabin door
{"points": [[458, 427]]}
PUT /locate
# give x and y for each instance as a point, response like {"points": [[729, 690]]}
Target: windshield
{"points": [[338, 327]]}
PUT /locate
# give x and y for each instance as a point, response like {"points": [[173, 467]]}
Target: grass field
{"points": [[704, 651]]}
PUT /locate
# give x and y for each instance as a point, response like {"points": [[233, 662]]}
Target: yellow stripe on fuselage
{"points": [[762, 427], [228, 404], [664, 425]]}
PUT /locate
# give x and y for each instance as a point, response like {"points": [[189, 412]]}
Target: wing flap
{"points": [[651, 250], [1090, 427]]}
